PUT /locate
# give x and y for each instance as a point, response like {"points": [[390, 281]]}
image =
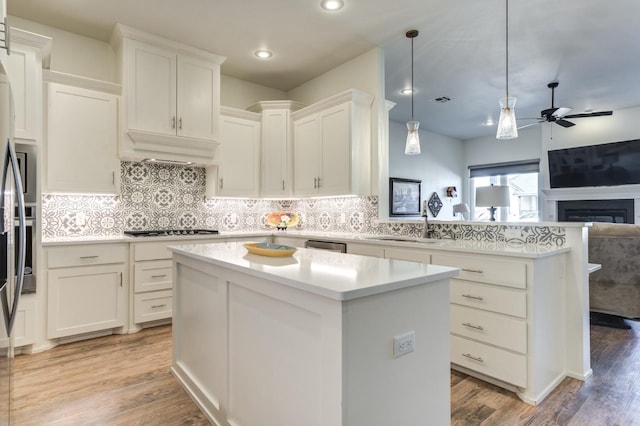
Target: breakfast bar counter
{"points": [[316, 338]]}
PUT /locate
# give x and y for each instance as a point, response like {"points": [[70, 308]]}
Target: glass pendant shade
{"points": [[507, 128], [413, 139]]}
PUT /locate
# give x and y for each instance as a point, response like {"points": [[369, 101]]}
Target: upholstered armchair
{"points": [[614, 290]]}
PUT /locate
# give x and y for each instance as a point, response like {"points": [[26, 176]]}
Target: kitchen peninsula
{"points": [[318, 338]]}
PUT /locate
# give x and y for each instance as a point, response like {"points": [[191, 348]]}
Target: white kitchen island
{"points": [[309, 339]]}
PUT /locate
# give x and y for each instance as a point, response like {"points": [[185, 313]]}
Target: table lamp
{"points": [[492, 196]]}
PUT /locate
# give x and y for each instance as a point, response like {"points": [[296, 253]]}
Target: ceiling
{"points": [[589, 46]]}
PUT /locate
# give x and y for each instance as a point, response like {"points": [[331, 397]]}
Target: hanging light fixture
{"points": [[507, 128], [413, 139]]}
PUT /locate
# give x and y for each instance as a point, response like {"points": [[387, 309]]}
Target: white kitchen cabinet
{"points": [[29, 52], [332, 146], [505, 316], [277, 147], [24, 325], [86, 288], [81, 148], [152, 277], [238, 170], [172, 98]]}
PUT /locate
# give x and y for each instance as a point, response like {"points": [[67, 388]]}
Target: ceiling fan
{"points": [[558, 114]]}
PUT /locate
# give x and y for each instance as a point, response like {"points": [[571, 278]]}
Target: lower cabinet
{"points": [[152, 276], [24, 325], [86, 288]]}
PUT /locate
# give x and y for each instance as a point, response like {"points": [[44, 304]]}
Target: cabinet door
{"points": [[198, 98], [305, 155], [239, 171], [85, 299], [81, 148], [151, 89], [24, 325], [335, 156], [275, 153], [22, 71]]}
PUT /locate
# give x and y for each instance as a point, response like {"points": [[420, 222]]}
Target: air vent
{"points": [[442, 99]]}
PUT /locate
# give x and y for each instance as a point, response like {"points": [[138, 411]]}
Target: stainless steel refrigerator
{"points": [[12, 244]]}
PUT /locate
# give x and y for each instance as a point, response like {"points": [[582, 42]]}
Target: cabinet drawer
{"points": [[487, 327], [486, 269], [153, 306], [152, 251], [82, 255], [489, 297], [153, 275], [498, 363]]}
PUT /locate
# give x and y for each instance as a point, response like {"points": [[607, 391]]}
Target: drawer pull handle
{"points": [[159, 276], [158, 306], [475, 358], [89, 257], [477, 271], [471, 296], [477, 327]]}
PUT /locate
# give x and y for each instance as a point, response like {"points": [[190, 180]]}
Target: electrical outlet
{"points": [[404, 343]]}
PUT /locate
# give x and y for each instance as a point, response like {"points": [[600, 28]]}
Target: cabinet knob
{"points": [[180, 123], [173, 122], [221, 183]]}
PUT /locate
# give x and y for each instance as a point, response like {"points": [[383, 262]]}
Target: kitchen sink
{"points": [[404, 240]]}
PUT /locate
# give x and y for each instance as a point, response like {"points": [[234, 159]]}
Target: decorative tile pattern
{"points": [[157, 196]]}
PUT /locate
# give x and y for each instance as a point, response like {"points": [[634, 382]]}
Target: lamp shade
{"points": [[492, 196]]}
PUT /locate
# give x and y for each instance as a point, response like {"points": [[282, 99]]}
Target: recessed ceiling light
{"points": [[489, 122], [408, 91], [263, 54], [332, 5]]}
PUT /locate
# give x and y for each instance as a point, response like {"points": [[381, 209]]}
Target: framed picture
{"points": [[404, 197]]}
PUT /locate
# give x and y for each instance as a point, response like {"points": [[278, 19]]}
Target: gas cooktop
{"points": [[168, 232]]}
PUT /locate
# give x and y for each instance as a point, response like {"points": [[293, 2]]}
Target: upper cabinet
{"points": [[277, 147], [80, 148], [332, 146], [171, 98], [29, 54], [238, 170]]}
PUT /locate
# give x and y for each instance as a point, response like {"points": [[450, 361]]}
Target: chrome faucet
{"points": [[426, 233]]}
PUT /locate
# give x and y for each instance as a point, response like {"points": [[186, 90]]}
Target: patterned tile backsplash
{"points": [[156, 196]]}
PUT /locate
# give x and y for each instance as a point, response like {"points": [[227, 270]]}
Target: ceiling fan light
{"points": [[507, 128], [412, 146]]}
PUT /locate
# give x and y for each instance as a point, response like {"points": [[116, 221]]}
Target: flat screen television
{"points": [[608, 164]]}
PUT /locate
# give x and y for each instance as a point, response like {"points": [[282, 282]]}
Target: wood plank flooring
{"points": [[125, 380]]}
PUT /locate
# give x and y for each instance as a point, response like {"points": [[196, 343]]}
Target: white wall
{"points": [[241, 94], [74, 54], [438, 166], [361, 73], [489, 150]]}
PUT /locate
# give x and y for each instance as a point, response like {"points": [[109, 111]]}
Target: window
{"points": [[522, 179]]}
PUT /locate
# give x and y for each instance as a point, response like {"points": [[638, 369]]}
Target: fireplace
{"points": [[611, 211]]}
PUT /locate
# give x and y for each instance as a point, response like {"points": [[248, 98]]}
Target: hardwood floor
{"points": [[125, 380]]}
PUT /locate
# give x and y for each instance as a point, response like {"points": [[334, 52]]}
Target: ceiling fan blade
{"points": [[529, 125], [564, 123], [590, 114], [548, 112], [560, 112]]}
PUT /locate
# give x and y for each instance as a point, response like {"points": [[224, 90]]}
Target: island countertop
{"points": [[338, 276]]}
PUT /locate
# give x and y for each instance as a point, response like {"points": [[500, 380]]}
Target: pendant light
{"points": [[507, 128], [412, 146]]}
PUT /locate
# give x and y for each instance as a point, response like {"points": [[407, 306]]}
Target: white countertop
{"points": [[338, 276], [468, 246]]}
